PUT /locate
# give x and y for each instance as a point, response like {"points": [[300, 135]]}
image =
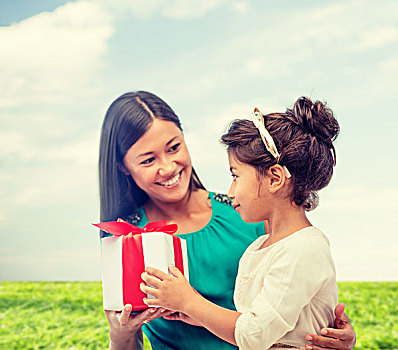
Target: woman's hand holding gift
{"points": [[172, 292], [125, 328]]}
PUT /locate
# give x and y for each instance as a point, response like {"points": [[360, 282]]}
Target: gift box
{"points": [[126, 254]]}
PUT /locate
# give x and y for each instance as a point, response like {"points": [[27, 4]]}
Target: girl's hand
{"points": [[124, 326], [179, 316], [172, 292], [342, 337]]}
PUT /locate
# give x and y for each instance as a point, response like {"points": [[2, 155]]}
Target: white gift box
{"points": [[125, 257]]}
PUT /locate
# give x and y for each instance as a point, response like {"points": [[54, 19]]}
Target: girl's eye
{"points": [[148, 161], [174, 147], [234, 177]]}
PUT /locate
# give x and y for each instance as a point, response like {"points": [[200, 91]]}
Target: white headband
{"points": [[258, 121]]}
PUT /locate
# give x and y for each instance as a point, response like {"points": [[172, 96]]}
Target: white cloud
{"points": [[390, 65], [48, 186], [58, 256], [57, 265], [14, 146], [241, 7], [52, 185], [359, 198], [314, 33], [183, 9], [205, 147], [53, 56], [50, 61], [44, 170], [360, 222], [139, 8], [366, 263], [286, 51], [173, 9], [377, 37]]}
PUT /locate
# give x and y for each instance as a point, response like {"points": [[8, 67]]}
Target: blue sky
{"points": [[63, 63]]}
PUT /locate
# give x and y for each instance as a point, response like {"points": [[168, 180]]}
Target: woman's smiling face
{"points": [[159, 162]]}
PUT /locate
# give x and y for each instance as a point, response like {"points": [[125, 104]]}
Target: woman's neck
{"points": [[190, 214], [169, 210], [284, 221]]}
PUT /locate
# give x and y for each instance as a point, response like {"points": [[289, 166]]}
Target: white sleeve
{"points": [[295, 274]]}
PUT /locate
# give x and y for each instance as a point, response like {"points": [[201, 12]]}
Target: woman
{"points": [[146, 175]]}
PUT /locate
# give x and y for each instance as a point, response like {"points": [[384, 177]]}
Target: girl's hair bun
{"points": [[315, 119]]}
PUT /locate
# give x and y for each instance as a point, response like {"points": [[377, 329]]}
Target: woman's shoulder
{"points": [[225, 215], [135, 217], [221, 198]]}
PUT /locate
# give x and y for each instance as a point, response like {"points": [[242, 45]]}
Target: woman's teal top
{"points": [[213, 256]]}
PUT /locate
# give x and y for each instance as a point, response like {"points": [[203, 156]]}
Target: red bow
{"points": [[123, 228]]}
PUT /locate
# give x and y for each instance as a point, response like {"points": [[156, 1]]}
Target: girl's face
{"points": [[249, 197], [159, 162]]}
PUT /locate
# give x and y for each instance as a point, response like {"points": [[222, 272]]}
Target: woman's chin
{"points": [[174, 193]]}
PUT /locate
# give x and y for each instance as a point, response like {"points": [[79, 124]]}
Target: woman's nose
{"points": [[167, 167]]}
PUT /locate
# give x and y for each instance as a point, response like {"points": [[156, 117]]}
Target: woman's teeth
{"points": [[170, 182]]}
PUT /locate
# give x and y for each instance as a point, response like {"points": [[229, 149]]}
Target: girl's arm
{"points": [[293, 278], [175, 293]]}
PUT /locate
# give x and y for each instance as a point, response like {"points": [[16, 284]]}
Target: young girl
{"points": [[286, 282]]}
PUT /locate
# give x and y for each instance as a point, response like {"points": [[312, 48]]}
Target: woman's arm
{"points": [[125, 328], [342, 337], [175, 293]]}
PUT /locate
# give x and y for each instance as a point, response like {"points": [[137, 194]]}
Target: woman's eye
{"points": [[234, 177], [174, 147], [148, 161]]}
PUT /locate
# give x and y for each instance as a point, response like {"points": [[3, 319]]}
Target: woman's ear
{"points": [[276, 178], [123, 169]]}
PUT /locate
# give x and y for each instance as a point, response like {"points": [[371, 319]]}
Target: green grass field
{"points": [[68, 315]]}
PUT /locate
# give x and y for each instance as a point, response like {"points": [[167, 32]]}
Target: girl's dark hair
{"points": [[126, 120], [304, 137]]}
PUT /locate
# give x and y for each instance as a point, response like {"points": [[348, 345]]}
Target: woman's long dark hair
{"points": [[126, 120]]}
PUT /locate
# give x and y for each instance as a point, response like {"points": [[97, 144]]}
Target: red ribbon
{"points": [[132, 255], [123, 228]]}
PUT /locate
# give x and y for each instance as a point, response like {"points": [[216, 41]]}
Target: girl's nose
{"points": [[231, 191]]}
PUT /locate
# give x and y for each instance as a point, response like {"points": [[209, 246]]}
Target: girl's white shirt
{"points": [[285, 291]]}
